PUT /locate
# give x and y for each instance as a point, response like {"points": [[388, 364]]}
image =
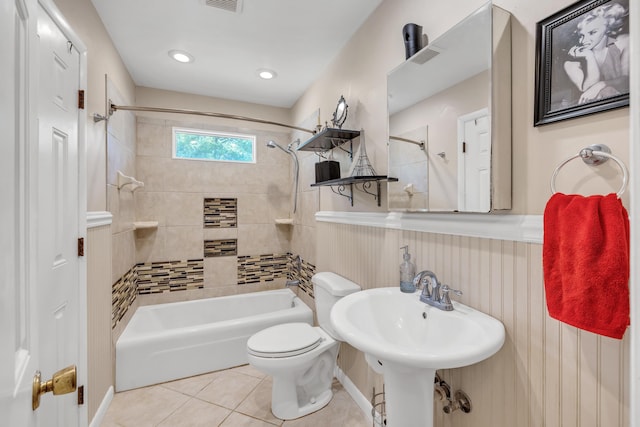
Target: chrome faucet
{"points": [[423, 280], [433, 292]]}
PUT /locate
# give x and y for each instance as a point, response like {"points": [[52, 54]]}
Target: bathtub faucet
{"points": [[290, 283]]}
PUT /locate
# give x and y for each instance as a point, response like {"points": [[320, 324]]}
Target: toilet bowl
{"points": [[301, 378], [301, 358]]}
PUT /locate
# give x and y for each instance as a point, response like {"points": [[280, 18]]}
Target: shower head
{"points": [[273, 144], [289, 151]]}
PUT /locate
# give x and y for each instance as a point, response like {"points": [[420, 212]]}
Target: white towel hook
{"points": [[594, 155]]}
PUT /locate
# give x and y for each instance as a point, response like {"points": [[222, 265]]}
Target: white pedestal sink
{"points": [[412, 340]]}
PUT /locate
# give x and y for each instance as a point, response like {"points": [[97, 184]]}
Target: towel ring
{"points": [[594, 155]]}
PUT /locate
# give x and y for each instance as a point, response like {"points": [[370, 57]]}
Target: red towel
{"points": [[585, 258]]}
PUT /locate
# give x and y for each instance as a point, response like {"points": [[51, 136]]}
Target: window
{"points": [[199, 144]]}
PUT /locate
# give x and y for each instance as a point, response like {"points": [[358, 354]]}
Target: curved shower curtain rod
{"points": [[410, 141], [113, 108]]}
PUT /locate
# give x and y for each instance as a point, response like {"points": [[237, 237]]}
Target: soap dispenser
{"points": [[407, 272]]}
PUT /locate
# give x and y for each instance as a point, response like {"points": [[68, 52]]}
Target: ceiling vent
{"points": [[228, 5]]}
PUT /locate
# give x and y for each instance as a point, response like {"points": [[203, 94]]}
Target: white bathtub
{"points": [[165, 342]]}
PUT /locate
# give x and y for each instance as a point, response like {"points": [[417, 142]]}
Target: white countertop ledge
{"points": [[518, 228]]}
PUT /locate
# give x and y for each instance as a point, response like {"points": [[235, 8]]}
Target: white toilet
{"points": [[301, 358]]}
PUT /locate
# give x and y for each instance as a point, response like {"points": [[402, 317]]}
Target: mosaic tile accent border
{"points": [[262, 268], [307, 271], [216, 248], [123, 294], [172, 276], [220, 213]]}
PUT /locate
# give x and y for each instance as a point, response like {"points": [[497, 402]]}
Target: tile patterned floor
{"points": [[237, 397]]}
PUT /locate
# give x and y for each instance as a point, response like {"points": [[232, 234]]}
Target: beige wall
{"points": [[100, 361], [359, 73]]}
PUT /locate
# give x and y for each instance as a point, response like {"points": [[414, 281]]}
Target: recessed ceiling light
{"points": [[267, 74], [181, 56]]}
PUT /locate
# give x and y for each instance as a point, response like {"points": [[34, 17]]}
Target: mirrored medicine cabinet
{"points": [[449, 112]]}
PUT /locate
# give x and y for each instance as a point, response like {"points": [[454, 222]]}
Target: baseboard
{"points": [[363, 403], [102, 409]]}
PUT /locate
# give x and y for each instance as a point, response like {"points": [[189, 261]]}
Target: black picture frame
{"points": [[567, 44]]}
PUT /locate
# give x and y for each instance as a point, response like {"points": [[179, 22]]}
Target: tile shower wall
{"points": [[219, 212], [123, 294], [159, 277], [262, 268], [121, 156], [216, 248], [546, 374], [165, 278], [307, 271], [152, 278], [265, 268], [303, 233], [168, 278]]}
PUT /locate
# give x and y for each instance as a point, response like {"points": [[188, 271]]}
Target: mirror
{"points": [[449, 111], [340, 114]]}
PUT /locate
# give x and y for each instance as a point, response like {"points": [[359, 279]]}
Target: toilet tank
{"points": [[328, 288]]}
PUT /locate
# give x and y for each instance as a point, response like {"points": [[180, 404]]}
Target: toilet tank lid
{"points": [[334, 284]]}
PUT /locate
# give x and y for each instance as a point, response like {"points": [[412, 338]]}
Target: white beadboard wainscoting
{"points": [[100, 361], [547, 374]]}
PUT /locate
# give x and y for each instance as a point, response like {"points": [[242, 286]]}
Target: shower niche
{"points": [[366, 180]]}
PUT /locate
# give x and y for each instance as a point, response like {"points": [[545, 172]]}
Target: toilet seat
{"points": [[286, 340]]}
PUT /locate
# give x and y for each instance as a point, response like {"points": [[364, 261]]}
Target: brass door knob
{"points": [[63, 382]]}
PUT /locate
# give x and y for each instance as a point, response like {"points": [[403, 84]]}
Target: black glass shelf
{"points": [[366, 182], [328, 139], [354, 180]]}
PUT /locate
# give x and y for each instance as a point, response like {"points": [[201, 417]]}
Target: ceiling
{"points": [[295, 38]]}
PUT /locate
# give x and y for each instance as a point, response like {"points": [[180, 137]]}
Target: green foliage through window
{"points": [[204, 145]]}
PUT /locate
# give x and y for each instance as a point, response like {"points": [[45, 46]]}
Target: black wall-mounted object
{"points": [[412, 34], [327, 170]]}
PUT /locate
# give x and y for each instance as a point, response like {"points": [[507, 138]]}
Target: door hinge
{"points": [[464, 147], [81, 395], [81, 99], [81, 246]]}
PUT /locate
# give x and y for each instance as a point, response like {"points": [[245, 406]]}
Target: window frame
{"points": [[208, 132]]}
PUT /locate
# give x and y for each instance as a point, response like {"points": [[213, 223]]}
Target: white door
{"points": [[474, 162], [18, 351], [57, 251], [39, 216]]}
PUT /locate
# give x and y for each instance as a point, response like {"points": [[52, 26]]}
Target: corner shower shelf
{"points": [[366, 181], [145, 225], [284, 221]]}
